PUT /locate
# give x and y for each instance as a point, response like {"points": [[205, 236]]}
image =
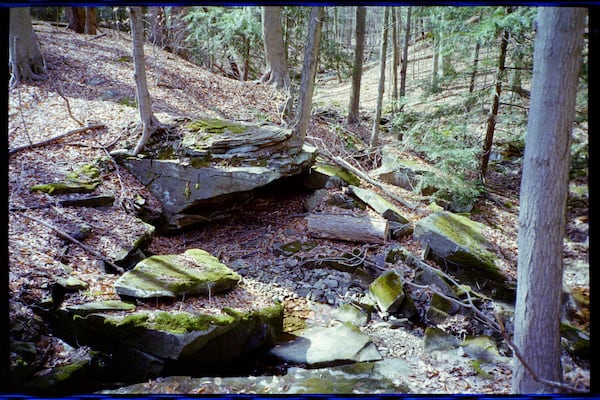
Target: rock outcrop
{"points": [[214, 166]]}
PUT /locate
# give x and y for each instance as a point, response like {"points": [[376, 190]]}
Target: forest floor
{"points": [[90, 81]]}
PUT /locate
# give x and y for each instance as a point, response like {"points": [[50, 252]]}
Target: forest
{"points": [[298, 200]]}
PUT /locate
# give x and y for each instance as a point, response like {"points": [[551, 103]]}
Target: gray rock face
{"points": [[320, 347], [195, 272], [215, 167]]}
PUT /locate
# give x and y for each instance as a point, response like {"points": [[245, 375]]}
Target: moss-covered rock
{"points": [[438, 339], [195, 272], [388, 292], [82, 180], [324, 175], [459, 243]]}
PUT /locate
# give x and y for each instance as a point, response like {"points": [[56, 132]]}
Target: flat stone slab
{"points": [[321, 346], [195, 272]]}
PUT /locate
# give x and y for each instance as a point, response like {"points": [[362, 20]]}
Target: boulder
{"points": [[213, 168], [457, 242], [150, 343], [382, 206], [324, 176], [320, 347], [128, 254], [387, 292], [195, 272]]}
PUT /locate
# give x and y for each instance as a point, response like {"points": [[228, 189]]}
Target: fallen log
{"points": [[347, 227]]}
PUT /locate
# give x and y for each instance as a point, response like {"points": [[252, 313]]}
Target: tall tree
{"points": [[396, 51], [405, 54], [359, 50], [82, 20], [277, 71], [383, 55], [491, 121], [149, 121], [544, 189], [25, 57], [307, 82]]}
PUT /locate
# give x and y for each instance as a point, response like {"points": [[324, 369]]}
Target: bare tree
{"points": [[359, 50], [25, 57], [82, 20], [383, 55], [405, 54], [307, 82], [277, 71], [149, 121], [543, 198]]}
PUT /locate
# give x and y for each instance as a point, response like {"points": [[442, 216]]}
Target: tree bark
{"points": [[475, 64], [359, 50], [405, 54], [149, 122], [544, 189], [396, 53], [348, 227], [25, 57], [383, 55], [307, 82], [491, 122], [77, 19], [277, 72], [90, 22]]}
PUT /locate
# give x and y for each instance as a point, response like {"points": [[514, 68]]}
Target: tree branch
{"points": [[70, 238], [54, 139]]}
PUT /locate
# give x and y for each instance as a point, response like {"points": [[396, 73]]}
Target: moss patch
{"points": [[331, 170], [178, 322], [215, 126]]}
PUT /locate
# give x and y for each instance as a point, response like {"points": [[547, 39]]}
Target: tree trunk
{"points": [[491, 122], [90, 23], [475, 64], [544, 189], [384, 39], [436, 58], [396, 55], [405, 55], [277, 72], [307, 82], [77, 19], [149, 122], [359, 50], [26, 60]]}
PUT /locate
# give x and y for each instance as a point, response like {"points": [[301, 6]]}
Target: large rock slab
{"points": [[214, 167], [380, 377], [195, 272], [151, 343], [320, 346], [458, 243]]}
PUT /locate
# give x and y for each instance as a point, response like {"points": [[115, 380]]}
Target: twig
{"points": [[54, 139], [68, 107], [73, 240]]}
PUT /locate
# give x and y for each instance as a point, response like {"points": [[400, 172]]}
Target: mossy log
{"points": [[348, 227]]}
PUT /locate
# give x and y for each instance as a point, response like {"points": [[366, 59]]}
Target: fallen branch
{"points": [[55, 138], [345, 164], [71, 239]]}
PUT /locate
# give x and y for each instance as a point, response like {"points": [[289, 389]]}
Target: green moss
{"points": [[215, 125], [476, 364], [173, 322], [200, 162], [128, 101], [342, 173], [64, 187], [166, 153]]}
